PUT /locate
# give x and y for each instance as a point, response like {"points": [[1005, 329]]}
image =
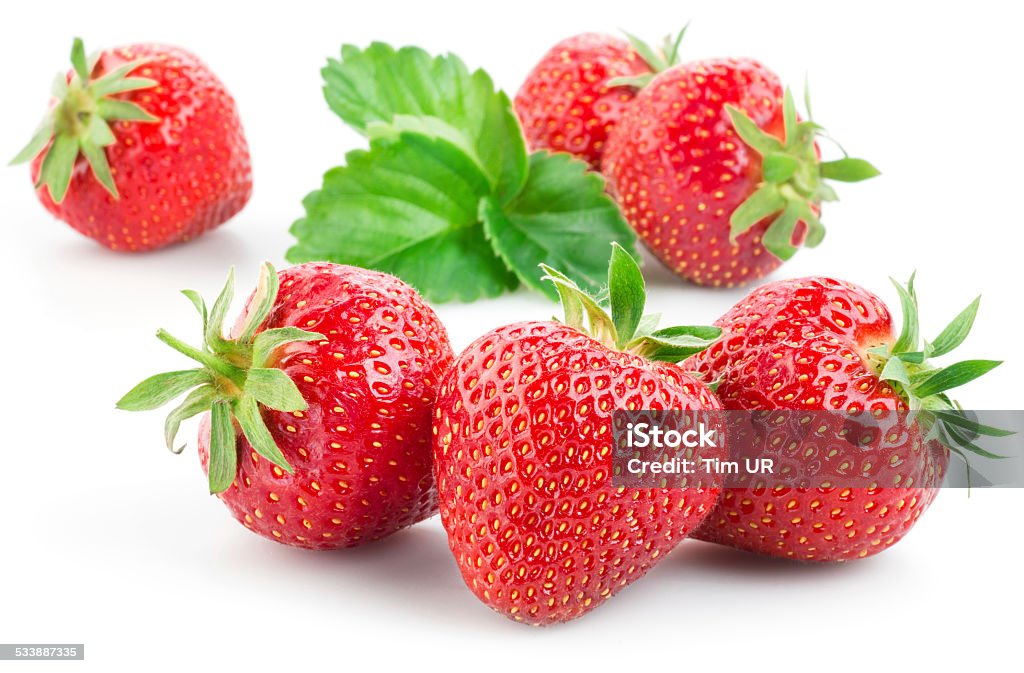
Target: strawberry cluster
{"points": [[337, 415], [708, 159], [335, 412]]}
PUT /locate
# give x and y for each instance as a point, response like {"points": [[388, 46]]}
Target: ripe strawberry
{"points": [[824, 345], [576, 94], [334, 449], [523, 453], [716, 174], [142, 147]]}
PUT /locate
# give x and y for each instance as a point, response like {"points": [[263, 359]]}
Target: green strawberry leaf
{"points": [[55, 171], [158, 390], [40, 139], [215, 324], [957, 330], [446, 197], [378, 83], [751, 134], [563, 218], [673, 344], [656, 59], [121, 110], [910, 332], [778, 237], [200, 305], [261, 303], [954, 437], [953, 376], [408, 207], [681, 332], [79, 61], [895, 371], [958, 419], [223, 450], [848, 169], [195, 403], [266, 341], [578, 302], [247, 413], [96, 156], [669, 349], [627, 294], [764, 202], [274, 389]]}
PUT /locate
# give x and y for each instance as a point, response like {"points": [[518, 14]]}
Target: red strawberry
{"points": [[142, 148], [576, 94], [334, 448], [716, 174], [818, 344], [523, 454]]}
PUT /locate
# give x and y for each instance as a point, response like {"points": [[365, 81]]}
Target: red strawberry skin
{"points": [[679, 170], [361, 451], [565, 103], [800, 345], [176, 178], [523, 454]]}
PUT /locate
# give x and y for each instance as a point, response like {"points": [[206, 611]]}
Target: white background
{"points": [[110, 540]]}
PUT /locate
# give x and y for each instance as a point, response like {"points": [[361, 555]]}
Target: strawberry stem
{"points": [[234, 383], [616, 317], [78, 124], [209, 360], [794, 179], [905, 366], [657, 59]]}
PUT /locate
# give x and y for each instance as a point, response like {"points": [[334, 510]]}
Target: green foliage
{"points": [[446, 196]]}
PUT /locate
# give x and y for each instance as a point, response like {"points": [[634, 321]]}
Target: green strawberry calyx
{"points": [[78, 122], [617, 320], [793, 179], [236, 379], [905, 365], [658, 59]]}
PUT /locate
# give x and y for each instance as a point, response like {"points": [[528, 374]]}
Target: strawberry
{"points": [[825, 345], [142, 147], [576, 94], [717, 175], [523, 453], [334, 448]]}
